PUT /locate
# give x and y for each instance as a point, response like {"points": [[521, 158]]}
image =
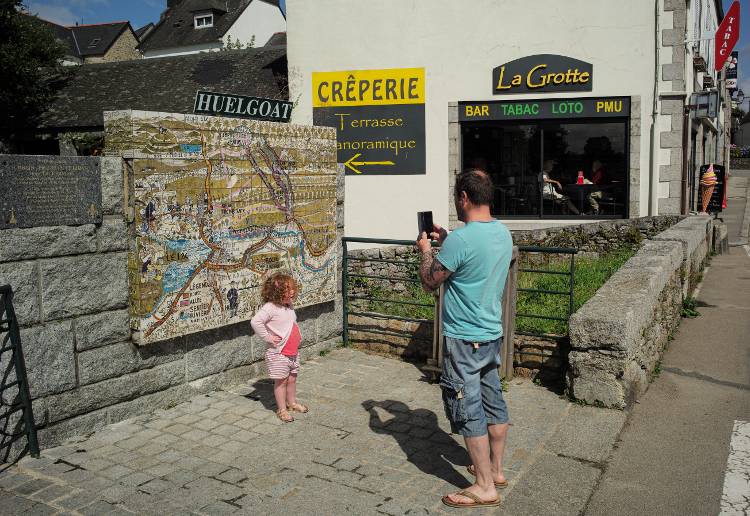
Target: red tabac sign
{"points": [[727, 35]]}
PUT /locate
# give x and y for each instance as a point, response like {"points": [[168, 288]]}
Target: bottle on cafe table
{"points": [[580, 177]]}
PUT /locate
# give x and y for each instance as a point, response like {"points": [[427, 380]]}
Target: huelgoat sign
{"points": [[238, 106]]}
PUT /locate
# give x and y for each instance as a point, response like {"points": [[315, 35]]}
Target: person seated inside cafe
{"points": [[548, 187], [600, 177]]}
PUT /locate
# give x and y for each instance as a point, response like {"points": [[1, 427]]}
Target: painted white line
{"points": [[736, 497]]}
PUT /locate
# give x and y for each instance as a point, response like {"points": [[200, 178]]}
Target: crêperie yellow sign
{"points": [[379, 117]]}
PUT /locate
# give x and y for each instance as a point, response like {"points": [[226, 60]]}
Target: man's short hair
{"points": [[477, 185]]}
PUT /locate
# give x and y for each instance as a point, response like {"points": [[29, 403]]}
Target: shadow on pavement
{"points": [[424, 443], [263, 392]]}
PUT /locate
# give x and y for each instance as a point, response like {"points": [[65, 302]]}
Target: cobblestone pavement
{"points": [[375, 441]]}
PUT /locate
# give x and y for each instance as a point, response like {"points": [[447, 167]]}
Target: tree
{"points": [[30, 56]]}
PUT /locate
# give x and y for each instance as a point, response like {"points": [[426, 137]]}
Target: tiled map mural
{"points": [[219, 203]]}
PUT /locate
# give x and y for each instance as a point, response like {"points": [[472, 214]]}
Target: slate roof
{"points": [[177, 26], [106, 33], [277, 39], [166, 84], [141, 33], [61, 33], [80, 37]]}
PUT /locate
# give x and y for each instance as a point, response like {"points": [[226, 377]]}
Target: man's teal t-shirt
{"points": [[478, 256]]}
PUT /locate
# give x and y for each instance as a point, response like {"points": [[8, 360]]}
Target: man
{"points": [[546, 184], [473, 263], [600, 177]]}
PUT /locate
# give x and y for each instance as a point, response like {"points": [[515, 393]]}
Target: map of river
{"points": [[219, 204]]}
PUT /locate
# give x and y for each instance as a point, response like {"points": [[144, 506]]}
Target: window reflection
{"points": [[515, 156]]}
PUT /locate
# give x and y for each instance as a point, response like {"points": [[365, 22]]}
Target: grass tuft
{"points": [[590, 275]]}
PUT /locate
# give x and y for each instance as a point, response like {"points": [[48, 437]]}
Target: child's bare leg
{"points": [[279, 392], [291, 389]]}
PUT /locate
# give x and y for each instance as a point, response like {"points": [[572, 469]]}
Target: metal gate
{"points": [[14, 375]]}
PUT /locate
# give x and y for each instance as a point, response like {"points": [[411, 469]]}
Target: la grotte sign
{"points": [[542, 73]]}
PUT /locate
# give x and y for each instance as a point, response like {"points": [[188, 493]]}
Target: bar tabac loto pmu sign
{"points": [[542, 73], [379, 116]]}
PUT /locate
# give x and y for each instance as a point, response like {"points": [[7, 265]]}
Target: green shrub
{"points": [[590, 275], [689, 308]]}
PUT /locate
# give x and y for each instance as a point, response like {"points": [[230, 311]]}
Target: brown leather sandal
{"points": [[296, 407], [284, 415]]}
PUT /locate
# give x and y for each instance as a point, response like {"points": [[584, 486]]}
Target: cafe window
{"points": [[516, 156], [551, 168]]}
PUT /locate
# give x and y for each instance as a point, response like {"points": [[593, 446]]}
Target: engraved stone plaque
{"points": [[49, 191]]}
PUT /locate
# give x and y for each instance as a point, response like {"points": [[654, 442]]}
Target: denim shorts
{"points": [[472, 394]]}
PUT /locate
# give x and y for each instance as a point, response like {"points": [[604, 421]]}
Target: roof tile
{"points": [[164, 84]]}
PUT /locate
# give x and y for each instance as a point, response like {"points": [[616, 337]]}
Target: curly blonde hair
{"points": [[276, 287]]}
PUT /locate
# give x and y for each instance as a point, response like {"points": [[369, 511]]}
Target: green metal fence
{"points": [[347, 276], [347, 297], [11, 343], [570, 292]]}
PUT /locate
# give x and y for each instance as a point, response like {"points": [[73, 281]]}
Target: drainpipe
{"points": [[653, 200], [685, 144]]}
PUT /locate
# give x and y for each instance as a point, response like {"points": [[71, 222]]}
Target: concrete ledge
{"points": [[721, 239], [617, 336], [690, 231], [614, 317]]}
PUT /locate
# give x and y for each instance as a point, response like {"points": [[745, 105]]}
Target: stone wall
{"points": [[416, 344], [409, 347], [599, 236], [739, 163], [594, 237], [694, 240], [71, 298], [123, 49], [671, 102], [617, 336]]}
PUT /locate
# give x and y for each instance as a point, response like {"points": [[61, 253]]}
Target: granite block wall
{"points": [[617, 336], [71, 298]]}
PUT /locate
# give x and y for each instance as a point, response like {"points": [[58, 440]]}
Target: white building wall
{"points": [[182, 50], [458, 44], [261, 20]]}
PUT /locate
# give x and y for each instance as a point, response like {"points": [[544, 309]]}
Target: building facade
{"points": [[598, 93], [96, 43], [194, 26]]}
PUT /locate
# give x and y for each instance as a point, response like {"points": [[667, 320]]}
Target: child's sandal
{"points": [[296, 407], [284, 415]]}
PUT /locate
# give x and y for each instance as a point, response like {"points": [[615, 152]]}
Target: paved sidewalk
{"points": [[375, 441]]}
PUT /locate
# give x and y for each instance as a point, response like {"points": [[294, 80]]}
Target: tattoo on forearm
{"points": [[431, 271]]}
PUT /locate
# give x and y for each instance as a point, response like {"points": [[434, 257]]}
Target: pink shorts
{"points": [[281, 366]]}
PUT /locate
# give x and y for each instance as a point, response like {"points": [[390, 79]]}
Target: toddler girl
{"points": [[276, 324]]}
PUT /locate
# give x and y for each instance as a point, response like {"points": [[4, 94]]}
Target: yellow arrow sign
{"points": [[359, 163]]}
